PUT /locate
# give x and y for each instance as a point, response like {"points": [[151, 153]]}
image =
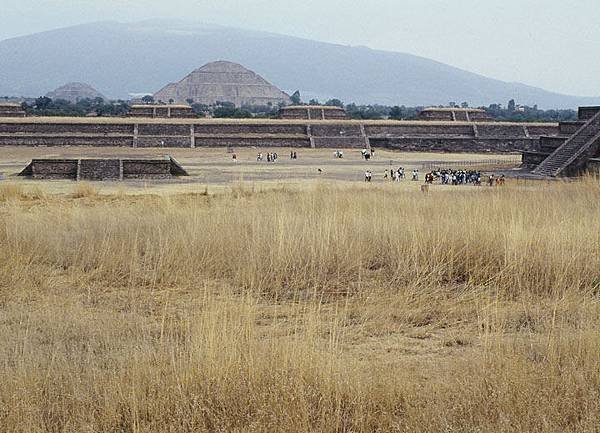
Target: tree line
{"points": [[44, 106]]}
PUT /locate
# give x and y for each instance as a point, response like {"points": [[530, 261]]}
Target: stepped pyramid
{"points": [[574, 150], [74, 92], [224, 82]]}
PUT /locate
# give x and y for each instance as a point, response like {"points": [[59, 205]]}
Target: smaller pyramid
{"points": [[74, 92], [223, 82]]}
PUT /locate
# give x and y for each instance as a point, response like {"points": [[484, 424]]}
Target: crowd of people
{"points": [[444, 177], [462, 177]]}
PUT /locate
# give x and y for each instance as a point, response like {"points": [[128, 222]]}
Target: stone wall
{"points": [[419, 130], [103, 169], [99, 169], [252, 142], [244, 128], [54, 169], [144, 169], [455, 144], [586, 113], [569, 128], [494, 131], [424, 136], [163, 141], [11, 110], [163, 129], [533, 159], [65, 128], [350, 130], [339, 142], [88, 140]]}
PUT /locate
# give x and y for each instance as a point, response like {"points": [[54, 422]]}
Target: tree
{"points": [[171, 100], [512, 106], [148, 99], [296, 99], [43, 102], [190, 101], [335, 103], [465, 105], [314, 102], [396, 113]]}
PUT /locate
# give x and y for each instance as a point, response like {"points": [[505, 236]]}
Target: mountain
{"points": [[143, 57], [225, 82], [74, 92]]}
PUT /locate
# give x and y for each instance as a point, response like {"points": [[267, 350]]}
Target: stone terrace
{"points": [[401, 135]]}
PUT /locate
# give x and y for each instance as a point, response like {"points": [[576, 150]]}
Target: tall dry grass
{"points": [[349, 308]]}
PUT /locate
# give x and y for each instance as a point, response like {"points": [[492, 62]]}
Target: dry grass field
{"points": [[306, 307]]}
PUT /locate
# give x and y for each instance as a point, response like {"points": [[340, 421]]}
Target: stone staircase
{"points": [[570, 155]]}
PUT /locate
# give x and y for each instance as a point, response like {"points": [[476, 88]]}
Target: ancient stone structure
{"points": [[103, 169], [313, 112], [401, 135], [223, 82], [162, 111], [575, 149], [74, 92], [11, 110], [455, 114]]}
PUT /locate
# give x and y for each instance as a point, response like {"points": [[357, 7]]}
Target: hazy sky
{"points": [[552, 44]]}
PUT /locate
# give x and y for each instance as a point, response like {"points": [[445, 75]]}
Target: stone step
{"points": [[575, 147]]}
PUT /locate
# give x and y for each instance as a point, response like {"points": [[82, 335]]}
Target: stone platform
{"points": [[419, 136], [99, 169], [574, 150]]}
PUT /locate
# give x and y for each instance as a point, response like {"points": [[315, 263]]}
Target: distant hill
{"points": [[118, 59]]}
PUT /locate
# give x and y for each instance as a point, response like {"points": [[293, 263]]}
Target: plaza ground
{"points": [[215, 166]]}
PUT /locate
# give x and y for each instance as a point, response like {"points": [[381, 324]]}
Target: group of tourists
{"points": [[462, 177], [395, 175], [454, 177], [271, 157], [338, 154], [293, 155], [445, 177]]}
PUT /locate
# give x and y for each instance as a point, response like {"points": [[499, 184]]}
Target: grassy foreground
{"points": [[351, 308]]}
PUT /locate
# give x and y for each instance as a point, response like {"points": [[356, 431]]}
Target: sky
{"points": [[552, 44]]}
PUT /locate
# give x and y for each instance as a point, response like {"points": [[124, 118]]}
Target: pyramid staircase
{"points": [[569, 154]]}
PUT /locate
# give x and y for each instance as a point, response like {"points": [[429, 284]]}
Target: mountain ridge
{"points": [[122, 58]]}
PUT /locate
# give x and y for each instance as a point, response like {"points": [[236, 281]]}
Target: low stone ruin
{"points": [[11, 110], [162, 111], [455, 114], [100, 169], [313, 112]]}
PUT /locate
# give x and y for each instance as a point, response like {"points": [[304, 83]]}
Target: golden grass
{"points": [[322, 308], [85, 189]]}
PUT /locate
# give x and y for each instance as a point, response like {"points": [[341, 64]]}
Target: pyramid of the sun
{"points": [[74, 92], [223, 82]]}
